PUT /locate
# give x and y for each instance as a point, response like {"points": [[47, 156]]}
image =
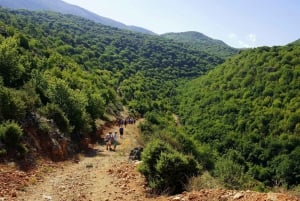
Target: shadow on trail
{"points": [[92, 152]]}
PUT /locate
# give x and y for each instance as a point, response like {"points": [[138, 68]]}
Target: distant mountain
{"points": [[66, 8], [202, 42], [297, 42]]}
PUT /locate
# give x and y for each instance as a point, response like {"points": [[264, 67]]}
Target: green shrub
{"points": [[44, 126], [12, 107], [10, 135], [52, 111], [175, 169], [151, 155], [202, 153], [287, 168], [96, 106], [10, 68], [166, 170], [229, 172], [22, 149]]}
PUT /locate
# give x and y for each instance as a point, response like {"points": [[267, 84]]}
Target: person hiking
{"points": [[115, 141], [108, 140], [121, 131]]}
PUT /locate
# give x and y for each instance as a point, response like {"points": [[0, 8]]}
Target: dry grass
{"points": [[204, 181]]}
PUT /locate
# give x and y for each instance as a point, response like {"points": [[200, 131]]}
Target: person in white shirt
{"points": [[115, 136]]}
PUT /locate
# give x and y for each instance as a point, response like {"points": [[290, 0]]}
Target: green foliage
{"points": [[203, 43], [10, 68], [151, 155], [12, 107], [75, 71], [230, 173], [164, 141], [95, 106], [52, 111], [71, 101], [11, 134], [166, 170], [287, 168], [141, 67], [175, 170], [247, 109]]}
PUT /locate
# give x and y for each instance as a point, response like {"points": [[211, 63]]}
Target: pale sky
{"points": [[239, 23]]}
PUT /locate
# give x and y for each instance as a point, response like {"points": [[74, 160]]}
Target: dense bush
{"points": [[10, 68], [230, 173], [166, 170], [11, 134], [12, 107], [247, 110], [52, 111]]}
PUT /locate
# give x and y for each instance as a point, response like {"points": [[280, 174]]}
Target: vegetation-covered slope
{"points": [[131, 57], [241, 121], [65, 8], [203, 43], [248, 110], [75, 71]]}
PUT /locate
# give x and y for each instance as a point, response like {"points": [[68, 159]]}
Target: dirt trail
{"points": [[97, 175], [103, 175]]}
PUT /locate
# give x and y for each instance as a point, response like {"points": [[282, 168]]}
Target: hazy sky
{"points": [[239, 23]]}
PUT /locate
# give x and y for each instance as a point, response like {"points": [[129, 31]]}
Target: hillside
{"points": [[65, 8], [248, 111], [63, 76], [131, 57], [203, 43]]}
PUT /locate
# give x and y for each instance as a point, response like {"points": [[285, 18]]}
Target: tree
{"points": [[10, 68]]}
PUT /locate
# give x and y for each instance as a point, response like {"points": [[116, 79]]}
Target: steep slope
{"points": [[65, 8], [133, 58], [202, 42], [122, 49], [248, 110], [79, 73]]}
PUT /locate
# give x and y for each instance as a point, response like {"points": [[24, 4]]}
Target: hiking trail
{"points": [[102, 175], [99, 174]]}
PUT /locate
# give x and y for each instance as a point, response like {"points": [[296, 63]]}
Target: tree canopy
{"points": [[247, 109]]}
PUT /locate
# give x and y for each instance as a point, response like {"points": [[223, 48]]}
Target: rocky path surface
{"points": [[102, 175]]}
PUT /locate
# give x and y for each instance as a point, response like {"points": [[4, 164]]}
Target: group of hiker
{"points": [[111, 139], [128, 120]]}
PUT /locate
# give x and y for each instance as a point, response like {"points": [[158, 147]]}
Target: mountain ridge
{"points": [[66, 8], [202, 42]]}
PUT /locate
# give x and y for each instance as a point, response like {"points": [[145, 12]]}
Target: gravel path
{"points": [[102, 175]]}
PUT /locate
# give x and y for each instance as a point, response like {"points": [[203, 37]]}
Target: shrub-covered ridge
{"points": [[248, 110]]}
